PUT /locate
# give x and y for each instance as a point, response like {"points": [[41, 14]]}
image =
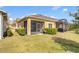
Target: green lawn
{"points": [[61, 42]]}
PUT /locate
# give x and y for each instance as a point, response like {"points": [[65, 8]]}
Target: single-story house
{"points": [[62, 25], [3, 23], [35, 23]]}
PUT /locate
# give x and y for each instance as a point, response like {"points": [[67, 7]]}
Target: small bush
{"points": [[21, 31], [73, 27], [50, 31], [9, 32], [60, 30], [77, 31]]}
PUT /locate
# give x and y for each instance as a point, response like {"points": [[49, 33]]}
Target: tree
{"points": [[76, 18]]}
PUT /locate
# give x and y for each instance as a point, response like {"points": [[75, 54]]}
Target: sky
{"points": [[58, 12]]}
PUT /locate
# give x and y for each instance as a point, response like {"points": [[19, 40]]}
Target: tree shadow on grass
{"points": [[67, 45]]}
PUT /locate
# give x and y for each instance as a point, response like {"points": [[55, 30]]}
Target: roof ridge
{"points": [[42, 16]]}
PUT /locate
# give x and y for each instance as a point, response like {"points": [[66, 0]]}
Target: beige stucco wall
{"points": [[48, 22], [28, 26]]}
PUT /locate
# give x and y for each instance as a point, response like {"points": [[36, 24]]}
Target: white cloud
{"points": [[34, 13], [11, 19], [65, 9], [52, 16], [56, 7]]}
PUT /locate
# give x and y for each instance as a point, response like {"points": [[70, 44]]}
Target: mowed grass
{"points": [[33, 43], [69, 40], [61, 42], [70, 35]]}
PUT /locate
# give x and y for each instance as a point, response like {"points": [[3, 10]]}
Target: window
{"points": [[50, 26], [33, 27]]}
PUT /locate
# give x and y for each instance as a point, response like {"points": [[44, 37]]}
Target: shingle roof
{"points": [[43, 17], [38, 16]]}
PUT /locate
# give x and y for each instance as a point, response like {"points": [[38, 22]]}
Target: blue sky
{"points": [[58, 12]]}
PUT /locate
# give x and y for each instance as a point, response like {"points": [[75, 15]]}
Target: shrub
{"points": [[60, 30], [73, 27], [77, 31], [21, 31], [50, 31], [9, 32]]}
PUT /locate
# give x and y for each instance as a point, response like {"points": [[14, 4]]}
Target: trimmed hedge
{"points": [[50, 31], [9, 32], [21, 31]]}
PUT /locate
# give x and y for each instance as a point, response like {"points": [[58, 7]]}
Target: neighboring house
{"points": [[3, 23], [15, 24], [62, 24], [36, 23]]}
